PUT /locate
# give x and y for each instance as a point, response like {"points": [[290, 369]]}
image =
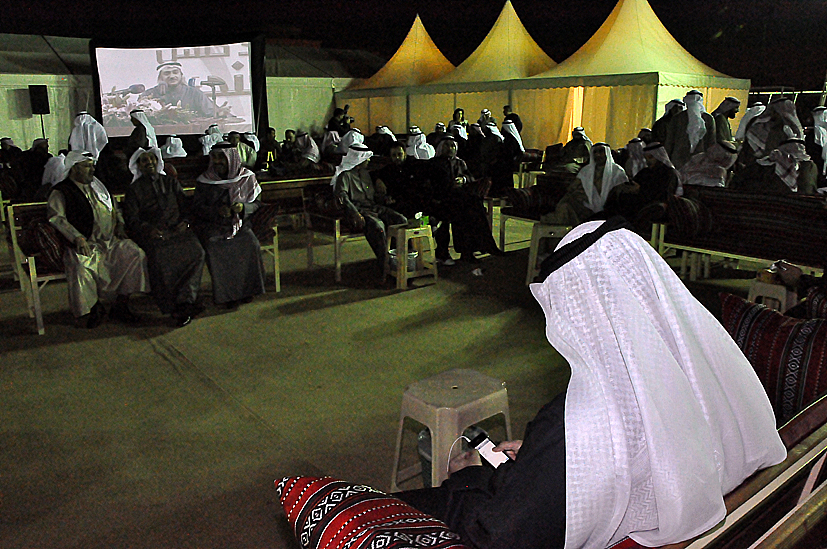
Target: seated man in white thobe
{"points": [[101, 263]]}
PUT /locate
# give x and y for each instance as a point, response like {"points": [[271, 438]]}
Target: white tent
{"points": [[507, 52], [613, 85]]}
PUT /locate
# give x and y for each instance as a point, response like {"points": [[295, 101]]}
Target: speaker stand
{"points": [[42, 127]]}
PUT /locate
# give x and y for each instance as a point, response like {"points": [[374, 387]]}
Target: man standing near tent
{"points": [[508, 114], [726, 111], [660, 126], [689, 132]]}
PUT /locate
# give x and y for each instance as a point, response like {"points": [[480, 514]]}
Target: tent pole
{"points": [[823, 91], [407, 111]]}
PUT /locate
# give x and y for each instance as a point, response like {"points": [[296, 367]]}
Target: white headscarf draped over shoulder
{"points": [[695, 126], [750, 113], [133, 162], [385, 130], [54, 172], [820, 132], [140, 116], [307, 147], [353, 137], [88, 135], [664, 414], [613, 175], [210, 139], [356, 154], [417, 146], [240, 181], [509, 128], [75, 157], [173, 148], [636, 160]]}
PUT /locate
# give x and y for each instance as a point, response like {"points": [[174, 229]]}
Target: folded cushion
{"points": [[329, 513]]}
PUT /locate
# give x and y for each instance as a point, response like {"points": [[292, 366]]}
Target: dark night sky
{"points": [[772, 42]]}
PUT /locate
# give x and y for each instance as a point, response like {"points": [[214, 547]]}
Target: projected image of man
{"points": [[172, 88]]}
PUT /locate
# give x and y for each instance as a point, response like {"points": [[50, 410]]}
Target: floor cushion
{"points": [[330, 513]]}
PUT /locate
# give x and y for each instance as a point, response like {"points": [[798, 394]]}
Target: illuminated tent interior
{"points": [[508, 52], [615, 84]]}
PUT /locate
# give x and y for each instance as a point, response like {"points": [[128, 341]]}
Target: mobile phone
{"points": [[485, 447]]}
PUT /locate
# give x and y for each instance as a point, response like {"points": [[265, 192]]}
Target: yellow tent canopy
{"points": [[615, 84], [416, 62], [507, 52]]}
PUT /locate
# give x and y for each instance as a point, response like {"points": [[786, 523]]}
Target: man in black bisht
{"points": [[156, 218]]}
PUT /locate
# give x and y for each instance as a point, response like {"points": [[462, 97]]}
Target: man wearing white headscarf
{"points": [[101, 263], [654, 183], [252, 139], [436, 136], [54, 171], [587, 194], [143, 134], [710, 168], [245, 152], [485, 118], [418, 146], [156, 216], [663, 415], [726, 111], [817, 141], [787, 169], [381, 141], [661, 125], [755, 110], [88, 135], [226, 195], [173, 148], [691, 131], [172, 89], [575, 153], [766, 132], [307, 149], [353, 137], [363, 203], [210, 138]]}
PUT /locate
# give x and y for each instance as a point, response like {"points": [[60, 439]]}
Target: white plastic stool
{"points": [[539, 232], [422, 240], [774, 296], [447, 404]]}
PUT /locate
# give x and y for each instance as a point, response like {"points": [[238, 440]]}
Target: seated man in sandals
{"points": [[101, 263]]}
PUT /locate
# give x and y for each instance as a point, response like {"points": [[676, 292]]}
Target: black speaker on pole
{"points": [[39, 97]]}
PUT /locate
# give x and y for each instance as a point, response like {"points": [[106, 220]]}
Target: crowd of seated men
{"points": [[444, 175]]}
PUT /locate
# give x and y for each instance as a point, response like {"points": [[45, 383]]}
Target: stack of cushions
{"points": [[329, 513], [42, 240], [788, 354]]}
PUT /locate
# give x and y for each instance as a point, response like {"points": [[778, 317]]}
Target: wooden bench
{"points": [[740, 226], [20, 218]]}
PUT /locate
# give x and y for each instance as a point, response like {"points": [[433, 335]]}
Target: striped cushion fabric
{"points": [[788, 354], [329, 513], [817, 302]]}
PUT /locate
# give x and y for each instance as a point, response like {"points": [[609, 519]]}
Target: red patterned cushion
{"points": [[262, 222], [817, 302], [788, 354], [327, 513], [42, 238]]}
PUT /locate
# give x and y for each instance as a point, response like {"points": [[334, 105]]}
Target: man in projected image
{"points": [[172, 88]]}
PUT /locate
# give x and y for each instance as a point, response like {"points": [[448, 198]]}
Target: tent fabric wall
{"points": [[544, 114], [67, 96], [301, 103], [474, 103], [615, 114], [427, 110], [390, 111]]}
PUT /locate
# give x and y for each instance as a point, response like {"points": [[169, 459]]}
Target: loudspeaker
{"points": [[39, 97]]}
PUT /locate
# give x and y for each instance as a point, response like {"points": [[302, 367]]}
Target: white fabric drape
{"points": [[664, 414]]}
